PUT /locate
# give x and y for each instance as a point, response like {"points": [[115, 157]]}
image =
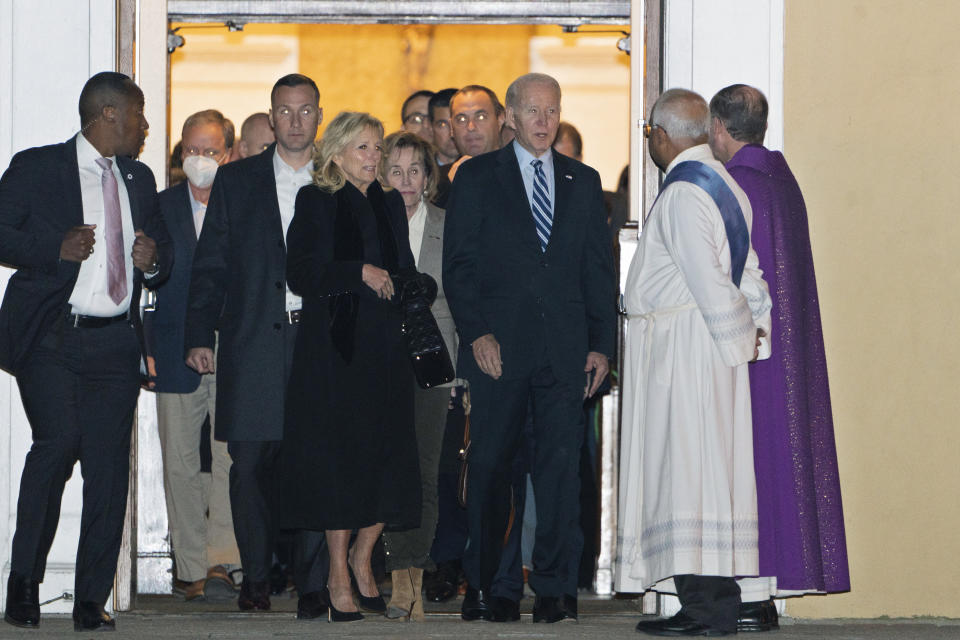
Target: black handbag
{"points": [[428, 352]]}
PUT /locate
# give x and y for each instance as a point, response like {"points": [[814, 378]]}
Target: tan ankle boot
{"points": [[401, 599], [416, 609]]}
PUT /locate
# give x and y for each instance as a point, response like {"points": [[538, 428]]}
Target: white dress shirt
{"points": [[524, 158], [416, 225], [90, 295], [199, 211], [289, 182]]}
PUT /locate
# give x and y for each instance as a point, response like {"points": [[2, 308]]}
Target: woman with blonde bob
{"points": [[349, 449], [408, 167]]}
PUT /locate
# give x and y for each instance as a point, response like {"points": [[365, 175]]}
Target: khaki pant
{"points": [[198, 508]]}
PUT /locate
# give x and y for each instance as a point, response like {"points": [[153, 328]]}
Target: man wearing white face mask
{"points": [[198, 507]]}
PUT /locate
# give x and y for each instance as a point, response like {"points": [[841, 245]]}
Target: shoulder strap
{"points": [[738, 236]]}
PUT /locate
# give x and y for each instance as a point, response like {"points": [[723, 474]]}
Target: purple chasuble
{"points": [[801, 534]]}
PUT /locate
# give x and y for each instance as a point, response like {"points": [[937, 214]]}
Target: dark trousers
{"points": [[79, 390], [311, 561], [451, 535], [500, 409], [710, 600], [411, 548], [255, 488], [508, 581], [254, 498]]}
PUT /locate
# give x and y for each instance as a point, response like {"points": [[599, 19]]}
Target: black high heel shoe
{"points": [[373, 604], [335, 615]]}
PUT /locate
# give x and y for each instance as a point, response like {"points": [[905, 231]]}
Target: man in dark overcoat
{"points": [[238, 287]]}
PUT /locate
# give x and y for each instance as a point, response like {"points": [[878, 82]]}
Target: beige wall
{"points": [[871, 94], [375, 67]]}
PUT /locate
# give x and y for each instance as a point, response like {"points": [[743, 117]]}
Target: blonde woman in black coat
{"points": [[349, 451]]}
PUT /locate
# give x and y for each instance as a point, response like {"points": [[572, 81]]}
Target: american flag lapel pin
{"points": [[568, 176]]}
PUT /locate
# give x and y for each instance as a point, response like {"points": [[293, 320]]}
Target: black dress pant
{"points": [[710, 600], [79, 389], [255, 487], [499, 411], [254, 498], [311, 560], [451, 535]]}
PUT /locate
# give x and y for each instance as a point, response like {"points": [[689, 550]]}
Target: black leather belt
{"points": [[94, 322], [293, 317]]}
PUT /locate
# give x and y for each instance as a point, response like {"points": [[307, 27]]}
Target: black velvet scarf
{"points": [[348, 246]]}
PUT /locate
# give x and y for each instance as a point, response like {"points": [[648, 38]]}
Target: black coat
{"points": [[40, 200], [349, 453], [498, 280], [238, 286], [164, 325]]}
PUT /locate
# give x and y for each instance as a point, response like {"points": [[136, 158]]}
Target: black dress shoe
{"points": [[90, 616], [311, 606], [758, 616], [503, 609], [23, 602], [442, 585], [570, 607], [254, 595], [278, 579], [679, 625], [475, 605], [334, 614], [549, 609], [373, 604]]}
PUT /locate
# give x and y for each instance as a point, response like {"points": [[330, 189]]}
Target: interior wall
{"points": [[374, 68], [871, 97], [232, 71]]}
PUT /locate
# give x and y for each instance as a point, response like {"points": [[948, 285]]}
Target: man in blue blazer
{"points": [[201, 526], [528, 271], [80, 223]]}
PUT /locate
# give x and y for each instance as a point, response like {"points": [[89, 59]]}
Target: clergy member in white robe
{"points": [[687, 484]]}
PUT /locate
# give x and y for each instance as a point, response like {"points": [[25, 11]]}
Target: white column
{"points": [[48, 50], [709, 45]]}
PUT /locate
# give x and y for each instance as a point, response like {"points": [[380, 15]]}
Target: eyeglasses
{"points": [[648, 129], [210, 153], [462, 119], [417, 118], [306, 111]]}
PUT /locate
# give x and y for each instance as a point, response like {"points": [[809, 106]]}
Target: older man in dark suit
{"points": [[239, 287], [528, 271], [80, 222]]}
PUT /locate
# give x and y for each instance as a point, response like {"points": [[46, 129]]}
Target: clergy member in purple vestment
{"points": [[801, 532]]}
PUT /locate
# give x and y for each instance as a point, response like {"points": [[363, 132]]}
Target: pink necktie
{"points": [[113, 232]]}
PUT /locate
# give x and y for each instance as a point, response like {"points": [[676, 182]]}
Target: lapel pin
{"points": [[129, 176], [568, 176]]}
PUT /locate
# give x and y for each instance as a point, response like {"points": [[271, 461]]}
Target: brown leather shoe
{"points": [[219, 586], [194, 590]]}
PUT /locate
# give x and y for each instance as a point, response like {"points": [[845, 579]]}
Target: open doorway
{"points": [[372, 64]]}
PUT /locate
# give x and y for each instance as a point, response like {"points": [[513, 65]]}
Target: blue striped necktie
{"points": [[542, 213]]}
